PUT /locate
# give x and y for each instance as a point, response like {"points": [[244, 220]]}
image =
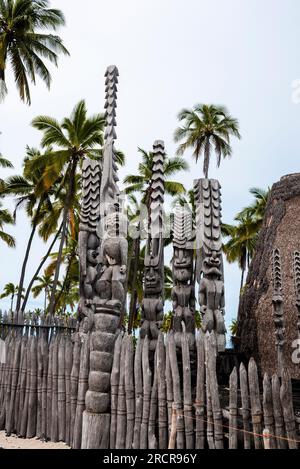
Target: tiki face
{"points": [[153, 281], [212, 263], [182, 265]]}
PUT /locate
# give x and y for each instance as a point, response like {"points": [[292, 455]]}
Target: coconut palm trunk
{"points": [[29, 244], [39, 268], [63, 235]]}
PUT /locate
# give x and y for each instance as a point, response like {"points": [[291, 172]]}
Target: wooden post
{"points": [[214, 389], [256, 411], [74, 380], [61, 389], [32, 399], [169, 383], [121, 409], [172, 440], [162, 403], [286, 396], [138, 383], [278, 415], [187, 392], [245, 406], [200, 392], [114, 382], [129, 391], [152, 441], [176, 392], [233, 410], [266, 438], [268, 411], [68, 370], [82, 389], [147, 375]]}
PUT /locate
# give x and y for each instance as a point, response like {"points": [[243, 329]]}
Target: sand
{"points": [[13, 442]]}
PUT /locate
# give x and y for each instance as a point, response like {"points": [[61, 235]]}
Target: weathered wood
{"points": [[286, 397], [82, 389], [245, 406], [45, 363], [68, 370], [266, 438], [54, 409], [200, 393], [214, 389], [10, 420], [169, 383], [61, 389], [121, 409], [32, 400], [74, 380], [114, 385], [129, 391], [39, 385], [233, 409], [209, 412], [176, 392], [138, 383], [268, 411], [147, 376], [98, 439], [256, 411], [162, 403], [49, 388], [278, 414], [24, 418], [172, 440], [152, 441], [20, 385], [187, 392]]}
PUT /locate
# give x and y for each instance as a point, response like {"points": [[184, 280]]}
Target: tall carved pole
{"points": [[209, 265], [153, 304], [296, 265], [278, 309], [183, 292], [109, 285]]}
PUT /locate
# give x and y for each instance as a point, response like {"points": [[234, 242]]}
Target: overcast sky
{"points": [[244, 54]]}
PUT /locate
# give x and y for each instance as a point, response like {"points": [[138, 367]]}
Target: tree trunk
{"points": [[29, 244], [133, 298], [242, 281], [63, 236], [12, 302], [39, 268]]}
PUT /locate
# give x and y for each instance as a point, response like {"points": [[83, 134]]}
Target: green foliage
{"points": [[24, 46], [206, 128], [198, 320], [167, 322], [233, 327]]}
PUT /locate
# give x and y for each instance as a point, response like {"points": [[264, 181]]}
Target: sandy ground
{"points": [[18, 443]]}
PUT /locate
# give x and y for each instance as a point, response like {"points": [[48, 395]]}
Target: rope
{"points": [[268, 435]]}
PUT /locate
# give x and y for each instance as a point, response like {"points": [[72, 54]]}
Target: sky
{"points": [[172, 54]]}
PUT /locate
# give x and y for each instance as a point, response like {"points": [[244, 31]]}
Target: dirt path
{"points": [[18, 443]]}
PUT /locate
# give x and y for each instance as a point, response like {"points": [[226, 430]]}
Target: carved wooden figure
{"points": [[183, 293], [277, 300], [153, 304], [209, 267]]}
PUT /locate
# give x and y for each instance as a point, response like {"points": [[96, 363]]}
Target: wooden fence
{"points": [[44, 378], [173, 400], [167, 399]]}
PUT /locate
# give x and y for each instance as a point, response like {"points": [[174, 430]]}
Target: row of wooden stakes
{"points": [[170, 398]]}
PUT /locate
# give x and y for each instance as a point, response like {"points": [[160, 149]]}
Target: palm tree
{"points": [[243, 236], [206, 128], [67, 144], [257, 209], [6, 219], [25, 188], [44, 285], [22, 43], [10, 290], [241, 244], [4, 163]]}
